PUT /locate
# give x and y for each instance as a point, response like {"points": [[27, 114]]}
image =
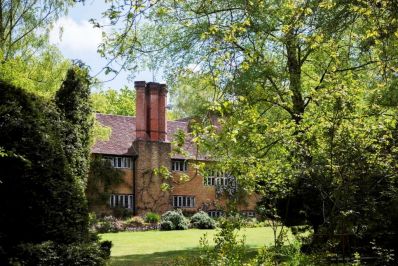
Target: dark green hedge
{"points": [[42, 176]]}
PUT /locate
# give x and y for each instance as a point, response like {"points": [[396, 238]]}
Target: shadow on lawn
{"points": [[157, 258], [161, 258]]}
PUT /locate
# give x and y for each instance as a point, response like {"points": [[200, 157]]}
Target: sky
{"points": [[77, 39]]}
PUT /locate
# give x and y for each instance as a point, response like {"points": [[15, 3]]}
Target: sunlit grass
{"points": [[155, 247]]}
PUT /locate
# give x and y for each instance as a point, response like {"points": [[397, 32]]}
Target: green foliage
{"points": [[51, 253], [166, 225], [41, 74], [202, 220], [39, 183], [284, 255], [100, 132], [228, 249], [151, 217], [25, 26], [115, 102], [135, 221], [173, 220], [72, 100], [191, 93], [41, 189], [102, 176], [122, 213], [306, 102], [26, 58], [109, 224]]}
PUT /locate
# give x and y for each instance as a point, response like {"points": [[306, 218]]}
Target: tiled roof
{"points": [[123, 135]]}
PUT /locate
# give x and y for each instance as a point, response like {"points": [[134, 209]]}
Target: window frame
{"points": [[125, 201], [183, 201], [216, 178], [178, 165], [119, 162], [215, 213]]}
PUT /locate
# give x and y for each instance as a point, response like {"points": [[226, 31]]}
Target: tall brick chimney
{"points": [[151, 111], [141, 110], [162, 112]]}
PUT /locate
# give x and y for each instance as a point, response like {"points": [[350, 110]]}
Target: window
{"points": [[121, 201], [179, 165], [215, 214], [119, 162], [249, 214], [183, 201], [214, 178], [210, 181]]}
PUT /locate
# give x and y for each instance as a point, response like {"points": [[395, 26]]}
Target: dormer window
{"points": [[179, 165]]}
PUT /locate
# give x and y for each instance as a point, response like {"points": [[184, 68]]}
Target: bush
{"points": [[51, 253], [251, 223], [109, 224], [134, 222], [176, 219], [151, 217], [122, 213], [202, 220], [46, 146], [166, 226]]}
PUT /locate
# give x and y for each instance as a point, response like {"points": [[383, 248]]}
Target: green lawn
{"points": [[155, 247]]}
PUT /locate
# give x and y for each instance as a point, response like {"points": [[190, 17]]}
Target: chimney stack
{"points": [[151, 111], [141, 110], [162, 112]]}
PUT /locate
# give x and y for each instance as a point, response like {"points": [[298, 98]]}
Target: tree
{"points": [[299, 83], [24, 25], [72, 99], [116, 102], [41, 73], [26, 58], [191, 94], [44, 215]]}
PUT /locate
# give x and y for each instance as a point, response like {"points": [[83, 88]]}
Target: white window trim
{"points": [[179, 165], [249, 214], [119, 161], [215, 213], [216, 178], [121, 201], [183, 201]]}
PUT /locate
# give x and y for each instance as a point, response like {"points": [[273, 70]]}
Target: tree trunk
{"points": [[294, 68]]}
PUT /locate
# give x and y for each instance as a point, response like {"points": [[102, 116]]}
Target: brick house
{"points": [[140, 144]]}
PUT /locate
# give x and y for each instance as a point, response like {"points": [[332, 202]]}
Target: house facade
{"points": [[140, 146]]}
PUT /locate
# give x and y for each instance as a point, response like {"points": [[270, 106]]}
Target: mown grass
{"points": [[157, 247]]}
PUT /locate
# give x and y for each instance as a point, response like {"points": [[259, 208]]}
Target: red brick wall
{"points": [[148, 194], [205, 196]]}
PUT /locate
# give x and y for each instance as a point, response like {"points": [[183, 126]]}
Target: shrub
{"points": [[166, 226], [177, 220], [135, 221], [251, 223], [202, 220], [46, 146], [151, 217], [109, 224], [122, 213], [51, 253]]}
